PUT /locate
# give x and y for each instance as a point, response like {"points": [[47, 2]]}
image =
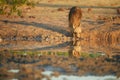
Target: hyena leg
{"points": [[74, 37]]}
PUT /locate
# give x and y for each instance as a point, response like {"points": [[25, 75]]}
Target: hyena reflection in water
{"points": [[75, 15]]}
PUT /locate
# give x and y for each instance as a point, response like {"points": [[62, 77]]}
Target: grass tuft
{"points": [[9, 7]]}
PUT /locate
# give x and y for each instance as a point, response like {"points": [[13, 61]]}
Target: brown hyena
{"points": [[75, 15]]}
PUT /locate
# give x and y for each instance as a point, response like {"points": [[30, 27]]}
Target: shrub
{"points": [[12, 6]]}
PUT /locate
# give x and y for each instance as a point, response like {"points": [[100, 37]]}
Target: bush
{"points": [[12, 6]]}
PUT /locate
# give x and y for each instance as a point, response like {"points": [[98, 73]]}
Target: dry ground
{"points": [[48, 21]]}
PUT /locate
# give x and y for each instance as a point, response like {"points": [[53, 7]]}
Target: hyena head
{"points": [[75, 15]]}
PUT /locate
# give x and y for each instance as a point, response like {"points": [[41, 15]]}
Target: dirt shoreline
{"points": [[49, 25]]}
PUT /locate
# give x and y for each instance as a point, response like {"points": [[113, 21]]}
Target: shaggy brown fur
{"points": [[75, 15]]}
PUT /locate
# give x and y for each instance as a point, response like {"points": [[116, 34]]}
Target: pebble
{"points": [[61, 9]]}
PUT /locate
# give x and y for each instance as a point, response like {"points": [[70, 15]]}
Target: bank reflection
{"points": [[106, 43]]}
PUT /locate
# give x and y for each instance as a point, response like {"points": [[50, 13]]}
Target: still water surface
{"points": [[86, 59]]}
